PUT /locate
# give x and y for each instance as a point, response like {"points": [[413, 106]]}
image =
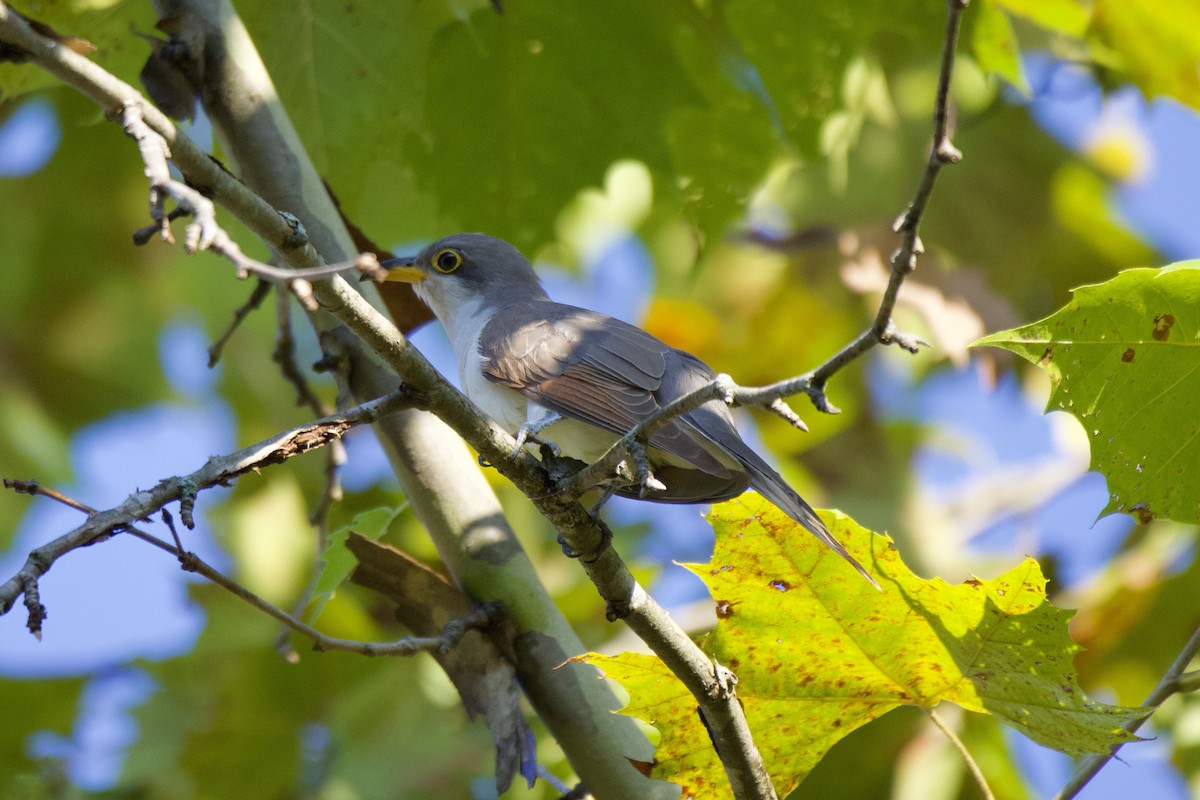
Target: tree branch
{"points": [[204, 232], [218, 470], [904, 260], [459, 510], [1175, 680], [261, 289]]}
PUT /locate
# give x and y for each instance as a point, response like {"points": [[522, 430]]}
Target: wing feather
{"points": [[593, 368]]}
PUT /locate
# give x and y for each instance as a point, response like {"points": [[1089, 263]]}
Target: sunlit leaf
{"points": [[1123, 357], [1157, 43], [1064, 16], [995, 44], [818, 652]]}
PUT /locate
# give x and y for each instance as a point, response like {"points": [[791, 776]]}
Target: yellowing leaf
{"points": [[1065, 16], [819, 653], [1157, 42], [1124, 358]]}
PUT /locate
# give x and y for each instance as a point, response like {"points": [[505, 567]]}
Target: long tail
{"points": [[714, 424], [771, 485]]}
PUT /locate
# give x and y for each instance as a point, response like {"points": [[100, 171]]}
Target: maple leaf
{"points": [[818, 655], [1124, 358]]}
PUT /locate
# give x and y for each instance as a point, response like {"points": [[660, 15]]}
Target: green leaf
{"points": [[338, 562], [110, 26], [995, 44], [1123, 357], [1157, 42], [819, 653], [1063, 16], [507, 147]]}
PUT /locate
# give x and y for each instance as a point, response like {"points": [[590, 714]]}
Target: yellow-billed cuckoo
{"points": [[580, 379]]}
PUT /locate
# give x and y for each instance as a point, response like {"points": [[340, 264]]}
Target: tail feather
{"points": [[713, 423], [772, 486]]}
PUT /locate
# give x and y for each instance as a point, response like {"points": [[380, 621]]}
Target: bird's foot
{"points": [[529, 431], [649, 484], [590, 556], [643, 476], [567, 549]]}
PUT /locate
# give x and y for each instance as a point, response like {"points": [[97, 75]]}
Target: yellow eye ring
{"points": [[446, 261]]}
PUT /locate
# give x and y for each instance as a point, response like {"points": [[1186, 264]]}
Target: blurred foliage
{"points": [[780, 140]]}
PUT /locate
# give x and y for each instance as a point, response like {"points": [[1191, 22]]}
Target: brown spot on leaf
{"points": [[1162, 326], [1143, 513], [1127, 356], [724, 609], [1047, 356], [782, 586]]}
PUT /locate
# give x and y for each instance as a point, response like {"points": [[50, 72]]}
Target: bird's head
{"points": [[467, 269]]}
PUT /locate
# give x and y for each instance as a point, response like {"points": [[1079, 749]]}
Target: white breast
{"points": [[463, 328], [506, 406]]}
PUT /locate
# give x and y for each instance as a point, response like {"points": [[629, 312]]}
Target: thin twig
{"points": [[335, 456], [218, 470], [261, 289], [190, 562], [204, 232], [36, 489], [1174, 681], [966, 754], [406, 646], [882, 331], [904, 260], [285, 356]]}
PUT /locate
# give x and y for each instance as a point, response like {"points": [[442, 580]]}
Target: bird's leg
{"points": [[645, 478], [529, 431], [606, 536]]}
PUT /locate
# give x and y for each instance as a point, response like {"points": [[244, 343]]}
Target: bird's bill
{"points": [[402, 270]]}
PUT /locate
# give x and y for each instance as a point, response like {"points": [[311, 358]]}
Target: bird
{"points": [[579, 379]]}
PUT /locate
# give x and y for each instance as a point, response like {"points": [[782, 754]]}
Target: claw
{"points": [[651, 484], [645, 477], [529, 431]]}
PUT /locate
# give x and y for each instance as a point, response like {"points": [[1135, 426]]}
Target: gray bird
{"points": [[580, 379]]}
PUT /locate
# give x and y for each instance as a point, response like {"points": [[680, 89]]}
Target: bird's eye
{"points": [[447, 261]]}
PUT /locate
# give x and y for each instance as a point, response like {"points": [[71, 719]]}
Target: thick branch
{"points": [[576, 708]]}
